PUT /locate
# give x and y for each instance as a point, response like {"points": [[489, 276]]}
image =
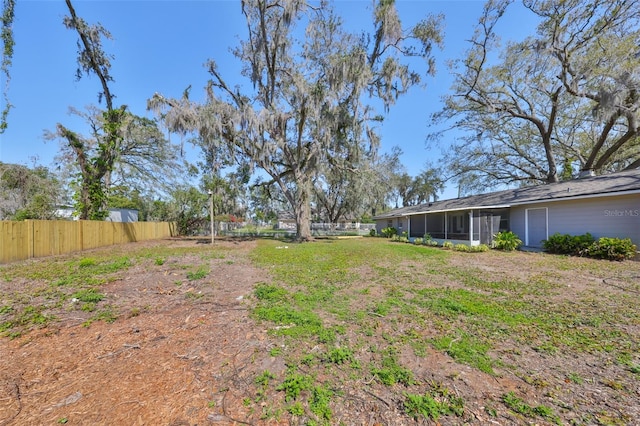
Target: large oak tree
{"points": [[564, 100], [313, 92]]}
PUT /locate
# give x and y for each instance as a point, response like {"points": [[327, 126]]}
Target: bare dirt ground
{"points": [[189, 354]]}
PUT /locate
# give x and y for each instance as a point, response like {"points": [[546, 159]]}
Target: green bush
{"points": [[373, 233], [575, 245], [418, 241], [448, 245], [479, 248], [612, 249], [389, 232], [507, 241], [402, 238], [587, 245], [461, 247]]}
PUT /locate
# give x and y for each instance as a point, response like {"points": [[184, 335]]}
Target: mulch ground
{"points": [[189, 354]]}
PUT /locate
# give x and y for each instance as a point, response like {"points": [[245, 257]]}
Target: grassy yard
{"points": [[420, 332], [349, 310]]}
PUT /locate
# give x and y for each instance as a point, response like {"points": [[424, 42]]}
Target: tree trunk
{"points": [[83, 203], [302, 209]]}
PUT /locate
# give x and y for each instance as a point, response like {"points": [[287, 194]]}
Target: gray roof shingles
{"points": [[621, 182]]}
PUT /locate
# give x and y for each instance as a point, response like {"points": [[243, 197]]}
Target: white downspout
{"points": [[471, 227]]}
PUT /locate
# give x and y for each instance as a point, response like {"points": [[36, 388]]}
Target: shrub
{"points": [[432, 243], [575, 245], [461, 247], [389, 232], [507, 241], [402, 238], [479, 248], [448, 245], [418, 241], [612, 249], [373, 233], [586, 245]]}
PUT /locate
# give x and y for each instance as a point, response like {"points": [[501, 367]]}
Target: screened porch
{"points": [[472, 227]]}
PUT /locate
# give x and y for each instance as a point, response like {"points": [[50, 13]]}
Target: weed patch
{"points": [[108, 314], [339, 356], [89, 295], [294, 384], [391, 372], [439, 401], [23, 320], [517, 405], [198, 274], [270, 293], [466, 349]]}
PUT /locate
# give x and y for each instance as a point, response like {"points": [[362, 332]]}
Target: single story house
{"points": [[605, 206]]}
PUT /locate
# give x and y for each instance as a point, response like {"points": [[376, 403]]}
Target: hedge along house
{"points": [[604, 206]]}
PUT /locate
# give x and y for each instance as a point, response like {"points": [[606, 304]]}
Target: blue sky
{"points": [[161, 46]]}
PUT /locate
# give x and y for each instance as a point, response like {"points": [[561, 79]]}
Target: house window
{"points": [[389, 223], [504, 220]]}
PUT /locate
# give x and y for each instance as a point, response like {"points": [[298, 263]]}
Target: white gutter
{"points": [[539, 201], [578, 197], [501, 206]]}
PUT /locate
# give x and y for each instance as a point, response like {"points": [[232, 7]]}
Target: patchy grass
{"points": [[518, 406], [390, 294], [56, 281], [437, 401], [364, 319], [74, 281]]}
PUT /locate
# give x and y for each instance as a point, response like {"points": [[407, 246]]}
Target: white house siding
{"points": [[122, 215], [613, 216], [400, 223], [115, 215]]}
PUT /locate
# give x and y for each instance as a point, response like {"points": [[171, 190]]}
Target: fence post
{"points": [[30, 239], [80, 236]]}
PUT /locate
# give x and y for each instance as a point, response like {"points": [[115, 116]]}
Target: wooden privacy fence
{"points": [[40, 238]]}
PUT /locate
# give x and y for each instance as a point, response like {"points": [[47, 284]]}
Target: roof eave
{"points": [[578, 197]]}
